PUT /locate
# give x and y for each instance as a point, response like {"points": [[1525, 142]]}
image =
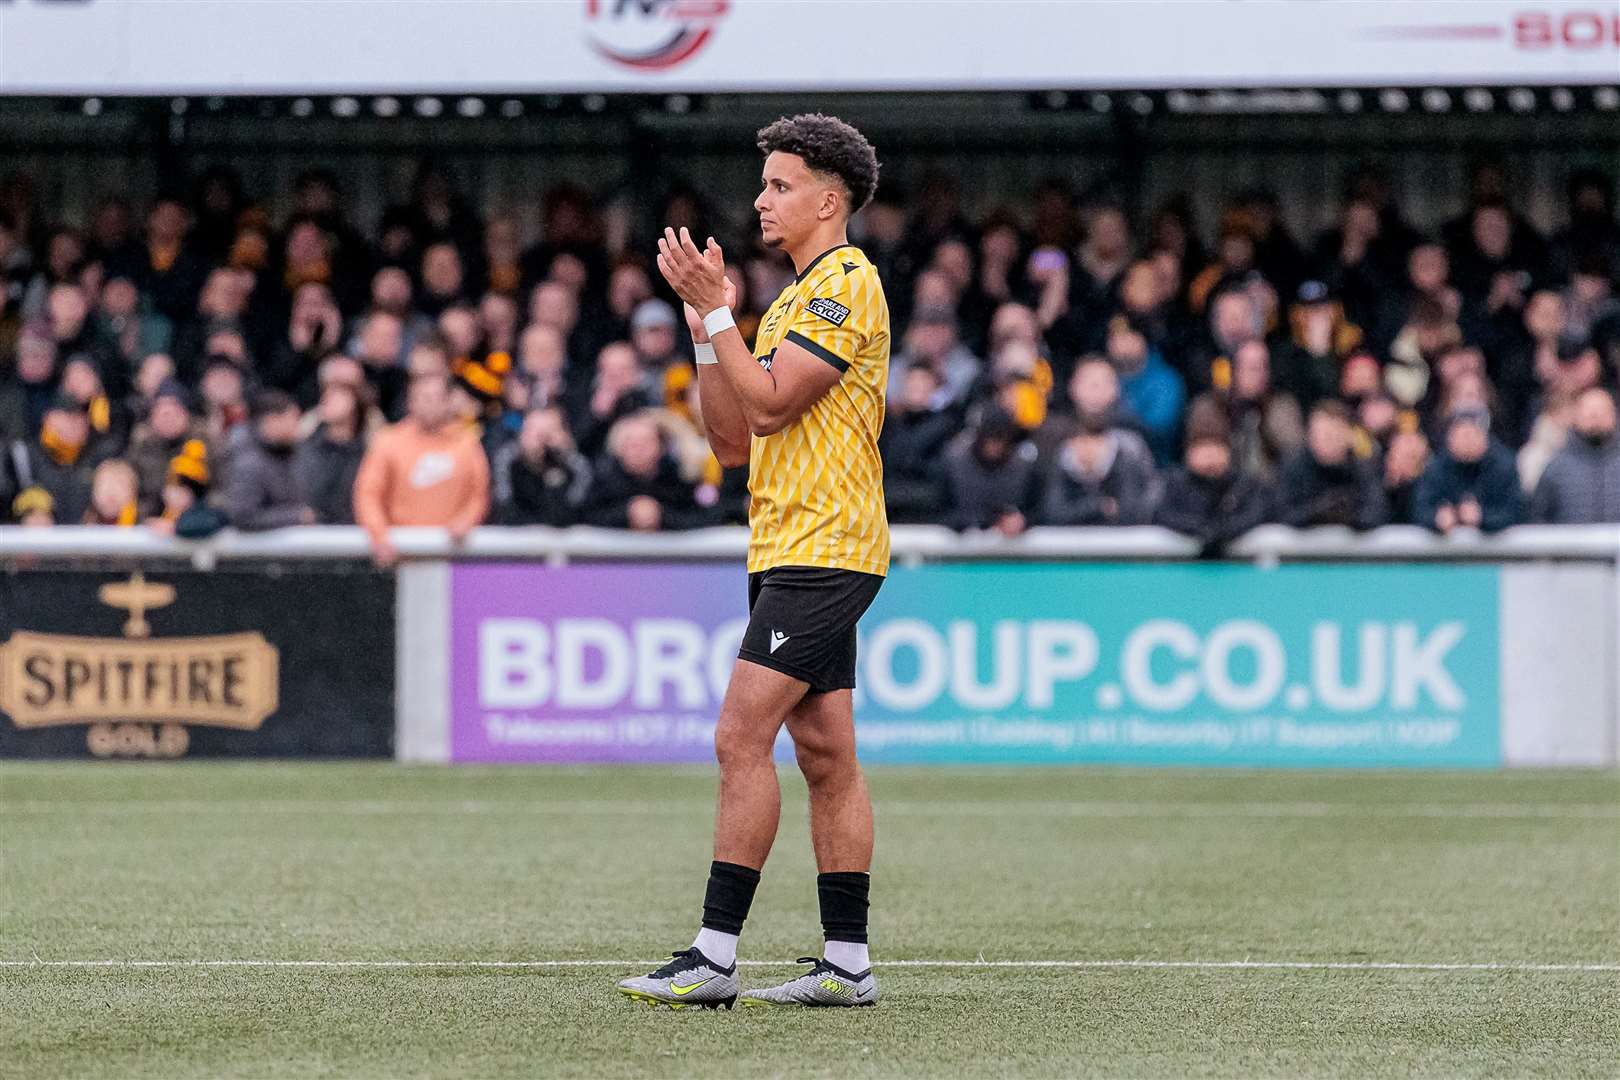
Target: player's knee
{"points": [[824, 764], [735, 746]]}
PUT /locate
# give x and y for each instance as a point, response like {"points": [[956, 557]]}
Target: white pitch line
{"points": [[911, 808], [1194, 965]]}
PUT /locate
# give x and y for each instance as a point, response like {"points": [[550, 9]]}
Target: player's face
{"points": [[790, 200]]}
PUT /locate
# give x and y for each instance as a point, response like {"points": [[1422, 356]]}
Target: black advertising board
{"points": [[285, 660]]}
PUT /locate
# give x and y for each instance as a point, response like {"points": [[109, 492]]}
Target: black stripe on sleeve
{"points": [[818, 350]]}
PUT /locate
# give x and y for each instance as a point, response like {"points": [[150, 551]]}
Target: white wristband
{"points": [[717, 320], [703, 352]]}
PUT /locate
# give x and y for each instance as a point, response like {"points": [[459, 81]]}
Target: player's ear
{"points": [[831, 203]]}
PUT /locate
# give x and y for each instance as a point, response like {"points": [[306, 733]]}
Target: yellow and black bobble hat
{"points": [[485, 379], [190, 466]]}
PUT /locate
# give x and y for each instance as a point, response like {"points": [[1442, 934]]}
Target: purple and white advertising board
{"points": [[1035, 663], [598, 663]]}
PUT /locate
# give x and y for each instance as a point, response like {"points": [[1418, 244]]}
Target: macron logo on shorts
{"points": [[777, 638]]}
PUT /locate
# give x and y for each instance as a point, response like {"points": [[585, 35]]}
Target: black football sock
{"points": [[729, 896], [844, 900]]}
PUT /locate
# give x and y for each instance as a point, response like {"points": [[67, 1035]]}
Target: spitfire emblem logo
{"points": [[651, 35], [137, 693]]}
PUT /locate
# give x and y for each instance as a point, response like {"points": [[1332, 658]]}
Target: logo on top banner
{"points": [[1580, 28], [652, 35]]}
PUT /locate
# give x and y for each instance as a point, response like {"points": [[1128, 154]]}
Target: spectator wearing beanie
{"points": [[540, 478], [1325, 483], [916, 429], [34, 508], [1098, 478], [1211, 498], [638, 484], [479, 394], [1471, 481], [993, 475], [327, 461], [186, 512], [1321, 338], [425, 470], [262, 491], [1581, 485], [652, 335], [168, 427]]}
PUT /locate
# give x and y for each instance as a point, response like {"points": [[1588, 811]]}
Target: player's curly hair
{"points": [[827, 145]]}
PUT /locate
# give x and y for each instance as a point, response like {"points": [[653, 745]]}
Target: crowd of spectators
{"points": [[194, 363]]}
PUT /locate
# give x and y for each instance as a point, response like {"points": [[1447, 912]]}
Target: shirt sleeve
{"points": [[834, 323]]}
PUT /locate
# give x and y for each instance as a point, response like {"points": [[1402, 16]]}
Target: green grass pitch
{"points": [[377, 863]]}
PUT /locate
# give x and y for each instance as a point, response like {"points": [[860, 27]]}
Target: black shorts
{"points": [[801, 622]]}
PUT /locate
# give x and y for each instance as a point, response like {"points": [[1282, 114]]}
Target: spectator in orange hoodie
{"points": [[428, 469]]}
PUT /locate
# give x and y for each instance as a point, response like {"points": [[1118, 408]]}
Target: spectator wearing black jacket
{"points": [[1325, 483], [313, 330], [262, 491], [916, 430], [57, 460], [1472, 482], [165, 267], [994, 476], [1099, 478], [1581, 485], [1404, 461], [638, 484], [27, 389], [1210, 498], [327, 461], [539, 477]]}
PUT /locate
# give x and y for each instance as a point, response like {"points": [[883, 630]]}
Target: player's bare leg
{"points": [[823, 730], [757, 703]]}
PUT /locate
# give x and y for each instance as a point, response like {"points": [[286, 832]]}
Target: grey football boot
{"points": [[823, 985], [689, 979]]}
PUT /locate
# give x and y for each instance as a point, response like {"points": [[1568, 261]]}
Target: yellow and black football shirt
{"points": [[816, 486]]}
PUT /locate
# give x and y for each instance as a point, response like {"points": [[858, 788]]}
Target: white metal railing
{"points": [[912, 544]]}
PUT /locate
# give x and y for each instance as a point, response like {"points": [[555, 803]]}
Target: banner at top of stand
{"points": [[573, 46]]}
